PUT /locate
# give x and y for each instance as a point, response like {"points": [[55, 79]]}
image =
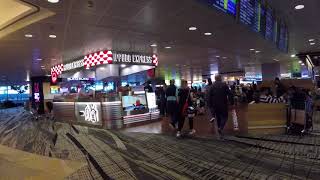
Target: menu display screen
{"points": [[228, 6]]}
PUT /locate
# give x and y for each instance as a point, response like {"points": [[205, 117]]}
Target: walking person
{"points": [[184, 102], [172, 103], [219, 97], [207, 88]]}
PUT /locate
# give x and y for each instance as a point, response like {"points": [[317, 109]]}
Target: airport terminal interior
{"points": [[159, 89]]}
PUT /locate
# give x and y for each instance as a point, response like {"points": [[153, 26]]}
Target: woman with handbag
{"points": [[184, 101]]}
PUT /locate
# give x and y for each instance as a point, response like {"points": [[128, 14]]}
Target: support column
{"points": [[270, 71]]}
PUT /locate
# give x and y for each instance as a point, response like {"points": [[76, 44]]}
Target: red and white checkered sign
{"points": [[155, 60], [101, 57], [57, 69]]}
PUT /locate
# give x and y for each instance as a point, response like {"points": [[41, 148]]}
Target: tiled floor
{"points": [[152, 152]]}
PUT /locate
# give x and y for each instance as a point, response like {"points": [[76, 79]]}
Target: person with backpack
{"points": [[184, 102]]}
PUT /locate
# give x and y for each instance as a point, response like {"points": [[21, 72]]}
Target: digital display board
{"points": [[283, 38], [250, 14], [227, 6], [269, 35]]}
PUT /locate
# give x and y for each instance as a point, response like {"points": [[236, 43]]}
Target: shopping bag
{"points": [[235, 120]]}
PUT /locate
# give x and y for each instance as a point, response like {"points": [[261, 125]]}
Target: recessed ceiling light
{"points": [[123, 65], [312, 43], [311, 40], [275, 59], [53, 1], [53, 59], [224, 57], [217, 56], [208, 33], [293, 55], [52, 36], [153, 45], [258, 51], [28, 35], [39, 59], [300, 62], [168, 47], [252, 49], [192, 28], [298, 7]]}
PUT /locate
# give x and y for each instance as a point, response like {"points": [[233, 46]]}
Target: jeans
{"points": [[221, 119], [172, 111], [181, 123]]}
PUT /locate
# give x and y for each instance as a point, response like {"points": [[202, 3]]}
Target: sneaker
{"points": [[212, 119], [192, 132], [178, 134], [173, 126]]}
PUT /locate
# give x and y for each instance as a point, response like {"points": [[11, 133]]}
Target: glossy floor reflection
{"points": [[201, 124]]}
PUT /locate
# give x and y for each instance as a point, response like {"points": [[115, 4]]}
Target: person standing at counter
{"points": [[219, 97], [184, 101], [148, 87], [171, 94]]}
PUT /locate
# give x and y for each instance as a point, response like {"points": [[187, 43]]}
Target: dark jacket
{"points": [[219, 97]]}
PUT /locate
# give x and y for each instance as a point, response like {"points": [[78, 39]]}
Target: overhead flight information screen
{"points": [[283, 38], [269, 25], [250, 14], [228, 6]]}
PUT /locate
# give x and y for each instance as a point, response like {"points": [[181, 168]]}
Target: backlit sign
{"points": [[73, 65], [88, 112], [105, 57]]}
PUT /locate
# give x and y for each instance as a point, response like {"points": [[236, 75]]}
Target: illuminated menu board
{"points": [[228, 6], [269, 35]]}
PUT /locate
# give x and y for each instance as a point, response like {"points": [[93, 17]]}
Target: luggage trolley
{"points": [[300, 113]]}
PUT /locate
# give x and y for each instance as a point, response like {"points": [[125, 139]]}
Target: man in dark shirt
{"points": [[219, 97], [171, 94], [148, 87]]}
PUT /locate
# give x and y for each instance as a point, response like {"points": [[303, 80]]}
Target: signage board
{"points": [[105, 57], [88, 112], [151, 100]]}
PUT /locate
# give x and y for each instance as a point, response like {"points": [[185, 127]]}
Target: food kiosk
{"points": [[104, 89]]}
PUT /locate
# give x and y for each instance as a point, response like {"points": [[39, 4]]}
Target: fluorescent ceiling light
{"points": [[311, 40], [312, 43], [153, 45], [52, 36], [302, 64], [217, 56], [275, 59], [224, 57], [208, 33], [53, 59], [252, 49], [28, 35], [39, 59], [258, 51], [293, 55], [53, 1], [298, 7], [192, 28], [168, 47]]}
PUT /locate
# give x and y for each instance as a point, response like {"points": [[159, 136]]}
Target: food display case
{"points": [[109, 112]]}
